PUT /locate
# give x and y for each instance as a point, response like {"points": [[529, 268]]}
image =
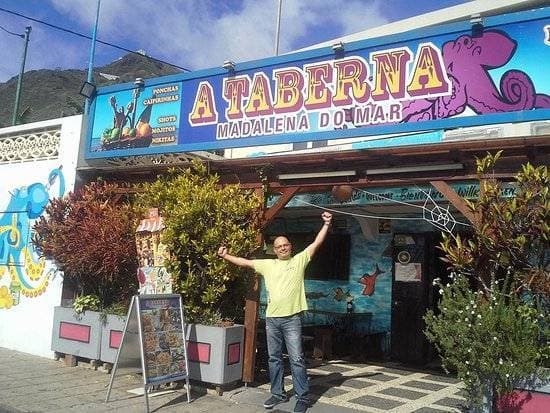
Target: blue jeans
{"points": [[287, 330]]}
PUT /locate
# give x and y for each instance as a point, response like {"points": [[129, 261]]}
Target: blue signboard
{"points": [[430, 79]]}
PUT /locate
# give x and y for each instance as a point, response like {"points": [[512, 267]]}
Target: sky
{"points": [[193, 34]]}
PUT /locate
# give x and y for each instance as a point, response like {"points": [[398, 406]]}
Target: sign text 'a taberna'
{"points": [[336, 89]]}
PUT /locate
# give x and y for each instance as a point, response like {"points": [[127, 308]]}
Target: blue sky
{"points": [[195, 34]]}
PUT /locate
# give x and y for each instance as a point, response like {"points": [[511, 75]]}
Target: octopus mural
{"points": [[18, 261], [468, 61]]}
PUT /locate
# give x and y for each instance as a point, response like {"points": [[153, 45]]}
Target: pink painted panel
{"points": [[233, 353], [524, 402], [199, 352], [74, 332], [115, 336]]}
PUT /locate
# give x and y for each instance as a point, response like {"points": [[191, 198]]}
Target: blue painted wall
{"points": [[366, 253]]}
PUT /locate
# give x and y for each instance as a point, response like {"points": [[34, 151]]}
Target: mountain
{"points": [[49, 94]]}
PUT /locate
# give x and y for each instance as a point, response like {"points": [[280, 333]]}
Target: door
{"points": [[410, 293]]}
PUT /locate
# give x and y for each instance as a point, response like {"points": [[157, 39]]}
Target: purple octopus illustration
{"points": [[468, 61]]}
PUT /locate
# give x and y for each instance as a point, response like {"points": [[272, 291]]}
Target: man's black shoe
{"points": [[274, 401], [301, 406]]}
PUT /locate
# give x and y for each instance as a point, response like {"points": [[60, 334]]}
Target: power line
{"points": [[86, 37], [15, 34]]}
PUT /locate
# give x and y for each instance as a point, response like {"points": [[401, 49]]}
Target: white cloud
{"points": [[201, 34], [189, 33]]}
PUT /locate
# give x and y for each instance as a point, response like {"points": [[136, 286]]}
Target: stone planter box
{"points": [[77, 334], [526, 398], [111, 337], [215, 354]]}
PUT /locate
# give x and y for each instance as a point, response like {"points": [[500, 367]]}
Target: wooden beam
{"points": [[456, 200], [286, 195], [252, 303]]}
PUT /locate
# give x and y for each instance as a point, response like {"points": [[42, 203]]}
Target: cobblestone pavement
{"points": [[34, 384], [382, 388]]}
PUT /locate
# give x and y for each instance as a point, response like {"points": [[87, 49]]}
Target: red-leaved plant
{"points": [[90, 234]]}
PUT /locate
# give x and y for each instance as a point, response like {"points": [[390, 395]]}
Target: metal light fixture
{"points": [[415, 168], [87, 90], [338, 47], [307, 175], [477, 25], [229, 65]]}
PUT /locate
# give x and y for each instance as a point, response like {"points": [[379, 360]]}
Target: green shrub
{"points": [[492, 324], [200, 215]]}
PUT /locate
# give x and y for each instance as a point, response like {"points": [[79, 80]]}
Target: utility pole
{"points": [[15, 117], [277, 32], [92, 54]]}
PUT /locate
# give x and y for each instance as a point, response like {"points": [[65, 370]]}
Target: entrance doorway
{"points": [[410, 297]]}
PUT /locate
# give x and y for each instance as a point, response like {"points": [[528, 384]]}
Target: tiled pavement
{"points": [[382, 388], [35, 384]]}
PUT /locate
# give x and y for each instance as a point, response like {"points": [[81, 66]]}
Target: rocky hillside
{"points": [[49, 94]]}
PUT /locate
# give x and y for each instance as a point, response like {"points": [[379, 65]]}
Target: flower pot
{"points": [[215, 353], [76, 334], [111, 336]]}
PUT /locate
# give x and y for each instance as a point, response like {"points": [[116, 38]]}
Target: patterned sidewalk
{"points": [[382, 388]]}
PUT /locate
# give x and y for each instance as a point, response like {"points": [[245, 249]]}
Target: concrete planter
{"points": [[215, 354], [111, 336], [531, 396], [77, 334]]}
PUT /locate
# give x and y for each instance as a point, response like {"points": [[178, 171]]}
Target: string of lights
{"points": [[64, 29]]}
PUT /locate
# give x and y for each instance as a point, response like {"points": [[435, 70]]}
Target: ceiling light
{"points": [[415, 168], [307, 175]]}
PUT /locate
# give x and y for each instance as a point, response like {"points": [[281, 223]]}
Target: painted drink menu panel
{"points": [[163, 338]]}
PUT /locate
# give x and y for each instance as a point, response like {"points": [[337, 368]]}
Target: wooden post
{"points": [[252, 302]]}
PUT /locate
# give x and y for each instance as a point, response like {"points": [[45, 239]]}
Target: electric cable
{"points": [[15, 34], [87, 37]]}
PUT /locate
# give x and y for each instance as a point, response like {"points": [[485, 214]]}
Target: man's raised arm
{"points": [[241, 262], [320, 238]]}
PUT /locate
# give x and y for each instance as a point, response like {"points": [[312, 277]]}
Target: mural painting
{"points": [[22, 272]]}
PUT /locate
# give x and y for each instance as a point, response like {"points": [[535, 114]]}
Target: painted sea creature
{"points": [[18, 259], [314, 295], [340, 295], [468, 61], [369, 281]]}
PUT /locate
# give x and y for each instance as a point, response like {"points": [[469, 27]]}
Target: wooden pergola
{"points": [[262, 174]]}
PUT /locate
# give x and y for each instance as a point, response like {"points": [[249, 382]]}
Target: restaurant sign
{"points": [[430, 79], [424, 194]]}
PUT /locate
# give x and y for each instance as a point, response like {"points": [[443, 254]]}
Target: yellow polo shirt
{"points": [[284, 282]]}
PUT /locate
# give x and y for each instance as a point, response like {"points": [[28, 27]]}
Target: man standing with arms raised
{"points": [[284, 282]]}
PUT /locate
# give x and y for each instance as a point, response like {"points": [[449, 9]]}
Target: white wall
{"points": [[25, 168]]}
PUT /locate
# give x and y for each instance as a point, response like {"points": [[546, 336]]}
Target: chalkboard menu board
{"points": [[162, 338], [153, 342]]}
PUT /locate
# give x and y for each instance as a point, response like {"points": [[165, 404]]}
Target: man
{"points": [[284, 281]]}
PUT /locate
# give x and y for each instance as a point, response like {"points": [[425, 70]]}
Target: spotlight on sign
{"points": [[342, 193]]}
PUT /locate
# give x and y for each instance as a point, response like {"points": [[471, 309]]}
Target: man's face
{"points": [[282, 248]]}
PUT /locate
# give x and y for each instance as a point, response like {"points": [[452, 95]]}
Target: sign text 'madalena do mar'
{"points": [[427, 79]]}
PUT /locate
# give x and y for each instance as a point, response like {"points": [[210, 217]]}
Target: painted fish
{"points": [[340, 295], [369, 281], [315, 295]]}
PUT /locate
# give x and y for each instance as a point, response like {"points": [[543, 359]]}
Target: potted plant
{"points": [[493, 321], [90, 236], [199, 216]]}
